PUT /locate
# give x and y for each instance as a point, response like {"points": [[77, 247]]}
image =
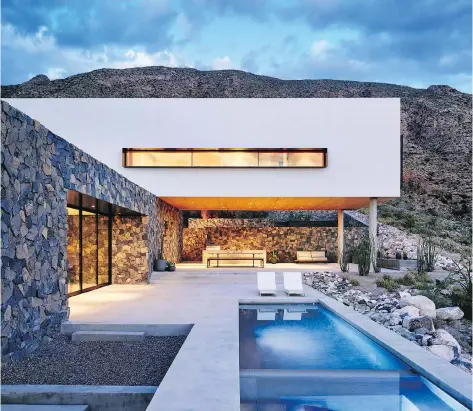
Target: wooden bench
{"points": [[219, 258], [311, 257], [232, 256]]}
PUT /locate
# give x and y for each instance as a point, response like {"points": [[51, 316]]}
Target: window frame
{"points": [[323, 151]]}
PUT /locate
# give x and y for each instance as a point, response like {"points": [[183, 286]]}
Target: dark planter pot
{"points": [[171, 269], [159, 265]]}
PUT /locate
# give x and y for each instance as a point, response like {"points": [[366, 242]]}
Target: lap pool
{"points": [[306, 358]]}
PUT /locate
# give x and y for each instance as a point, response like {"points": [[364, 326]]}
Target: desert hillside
{"points": [[435, 126]]}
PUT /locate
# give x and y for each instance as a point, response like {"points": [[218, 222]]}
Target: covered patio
{"points": [[251, 228]]}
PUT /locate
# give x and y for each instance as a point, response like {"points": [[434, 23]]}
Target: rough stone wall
{"points": [[129, 250], [325, 218], [287, 240], [38, 168], [229, 222], [172, 247]]}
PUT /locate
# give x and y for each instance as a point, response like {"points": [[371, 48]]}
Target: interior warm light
{"points": [[225, 157], [269, 203]]}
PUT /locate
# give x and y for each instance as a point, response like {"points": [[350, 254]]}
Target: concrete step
{"points": [[115, 397], [107, 336], [34, 407], [163, 330]]}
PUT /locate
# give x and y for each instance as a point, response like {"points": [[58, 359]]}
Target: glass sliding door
{"points": [[89, 249], [103, 249], [88, 243], [73, 250]]}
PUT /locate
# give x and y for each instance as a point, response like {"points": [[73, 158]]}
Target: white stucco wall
{"points": [[362, 137]]}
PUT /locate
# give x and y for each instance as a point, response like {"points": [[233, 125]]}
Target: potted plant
{"points": [[404, 254], [160, 262], [274, 256], [398, 255], [170, 266]]}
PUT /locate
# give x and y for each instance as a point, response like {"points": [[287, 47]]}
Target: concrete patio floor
{"points": [[205, 373]]}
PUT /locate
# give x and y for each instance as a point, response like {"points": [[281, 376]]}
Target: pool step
{"points": [[272, 384], [107, 336], [34, 407]]}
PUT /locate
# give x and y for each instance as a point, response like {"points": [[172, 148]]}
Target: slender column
{"points": [[373, 225], [340, 234]]}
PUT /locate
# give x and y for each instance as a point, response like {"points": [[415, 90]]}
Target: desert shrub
{"points": [[362, 252], [439, 299], [354, 282], [407, 279], [387, 282], [409, 221], [460, 279], [332, 256], [422, 277], [422, 286]]}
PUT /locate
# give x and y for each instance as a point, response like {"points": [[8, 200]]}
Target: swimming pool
{"points": [[304, 357]]}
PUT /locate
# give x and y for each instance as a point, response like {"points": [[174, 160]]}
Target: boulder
{"points": [[426, 339], [395, 320], [449, 313], [408, 310], [424, 304], [443, 337], [444, 351], [421, 331], [412, 323]]}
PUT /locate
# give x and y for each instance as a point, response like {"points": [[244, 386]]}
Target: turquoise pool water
{"points": [[304, 357]]}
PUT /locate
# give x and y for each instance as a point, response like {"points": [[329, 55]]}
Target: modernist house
{"points": [[94, 189]]}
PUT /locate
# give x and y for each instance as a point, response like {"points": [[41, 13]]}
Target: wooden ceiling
{"points": [[269, 203]]}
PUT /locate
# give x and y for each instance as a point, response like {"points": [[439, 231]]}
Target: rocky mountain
{"points": [[436, 129]]}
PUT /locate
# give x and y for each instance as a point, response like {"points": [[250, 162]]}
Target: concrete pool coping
{"points": [[449, 378]]}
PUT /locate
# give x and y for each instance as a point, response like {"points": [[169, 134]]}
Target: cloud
{"points": [[41, 50], [92, 23], [320, 49], [55, 73], [222, 63], [249, 62]]}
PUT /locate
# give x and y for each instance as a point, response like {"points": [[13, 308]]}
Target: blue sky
{"points": [[411, 42]]}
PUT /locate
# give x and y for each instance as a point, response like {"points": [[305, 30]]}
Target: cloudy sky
{"points": [[411, 42]]}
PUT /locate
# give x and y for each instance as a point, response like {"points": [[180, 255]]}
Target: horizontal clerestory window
{"points": [[226, 157]]}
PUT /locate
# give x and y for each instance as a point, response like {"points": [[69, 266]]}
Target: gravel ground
{"points": [[66, 362]]}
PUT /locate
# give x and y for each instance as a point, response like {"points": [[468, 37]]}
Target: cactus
{"points": [[363, 255]]}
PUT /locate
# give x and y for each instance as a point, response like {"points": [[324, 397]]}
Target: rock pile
{"points": [[411, 316]]}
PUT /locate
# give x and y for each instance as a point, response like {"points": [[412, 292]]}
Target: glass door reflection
{"points": [[88, 243], [73, 250], [89, 249]]}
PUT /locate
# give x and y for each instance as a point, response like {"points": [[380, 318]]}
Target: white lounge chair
{"points": [[266, 282], [293, 284]]}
